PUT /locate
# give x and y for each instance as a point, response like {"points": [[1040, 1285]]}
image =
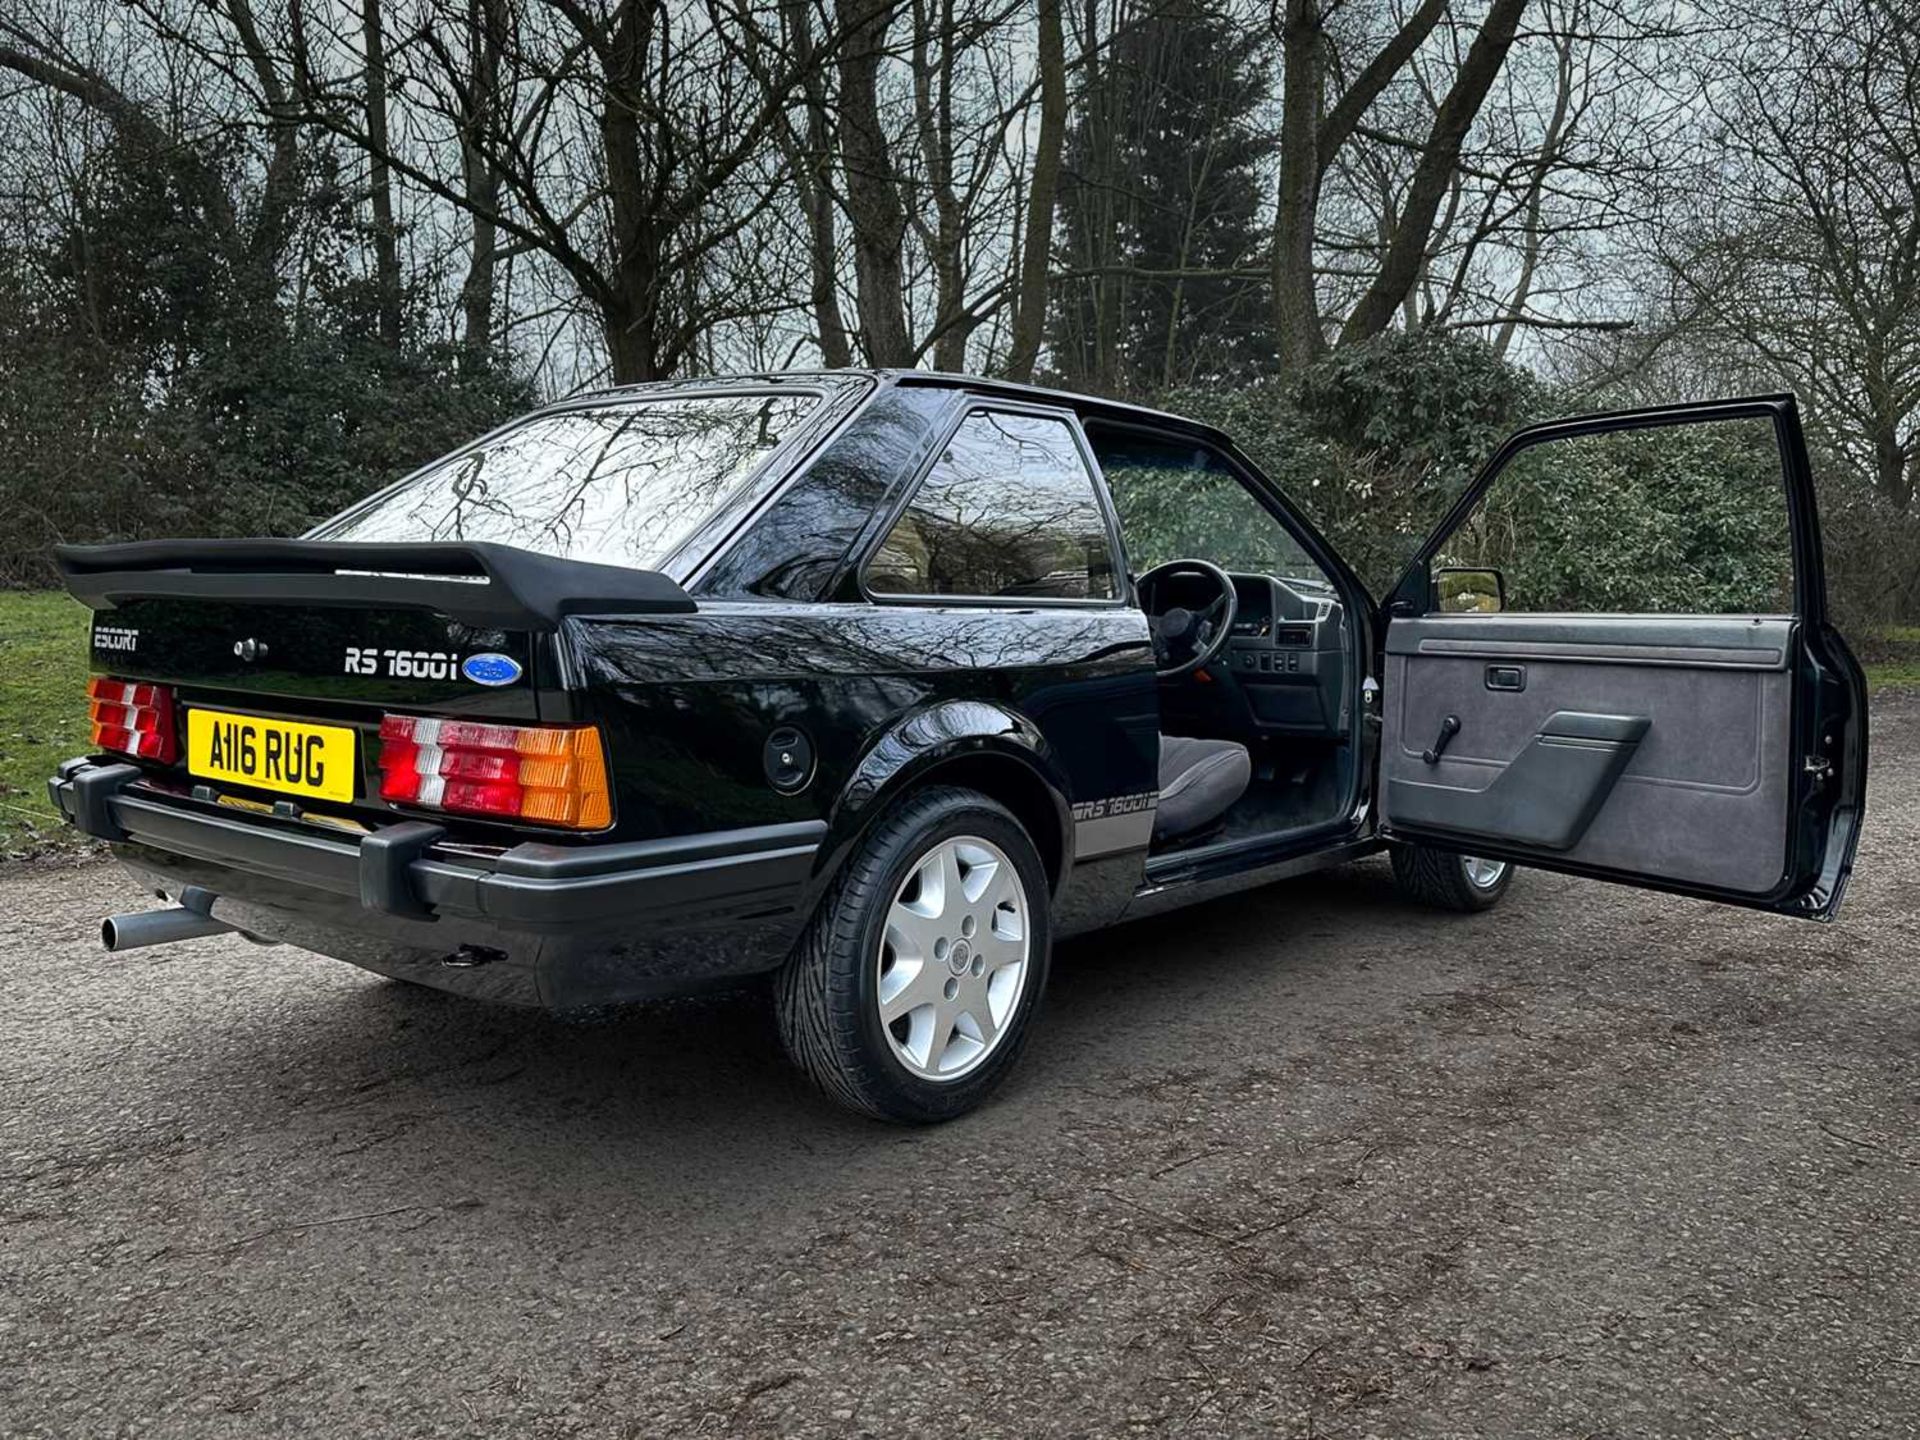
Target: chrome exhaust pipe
{"points": [[188, 920]]}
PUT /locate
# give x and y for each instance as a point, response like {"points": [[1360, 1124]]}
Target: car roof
{"points": [[1084, 405]]}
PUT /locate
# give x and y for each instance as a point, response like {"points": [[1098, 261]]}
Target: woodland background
{"points": [[260, 256]]}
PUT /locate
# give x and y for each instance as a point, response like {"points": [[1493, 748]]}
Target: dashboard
{"points": [[1284, 671]]}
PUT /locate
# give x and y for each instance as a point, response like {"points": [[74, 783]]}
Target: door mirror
{"points": [[1482, 592]]}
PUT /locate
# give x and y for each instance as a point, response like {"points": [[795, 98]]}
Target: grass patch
{"points": [[1894, 676], [1891, 658], [43, 713]]}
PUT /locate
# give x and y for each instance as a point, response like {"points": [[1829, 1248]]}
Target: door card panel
{"points": [[1700, 797]]}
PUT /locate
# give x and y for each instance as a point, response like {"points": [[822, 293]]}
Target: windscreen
{"points": [[617, 484]]}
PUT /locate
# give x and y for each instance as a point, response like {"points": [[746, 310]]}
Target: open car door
{"points": [[1613, 658]]}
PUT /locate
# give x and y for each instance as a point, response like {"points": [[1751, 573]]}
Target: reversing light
{"points": [[551, 774], [132, 718]]}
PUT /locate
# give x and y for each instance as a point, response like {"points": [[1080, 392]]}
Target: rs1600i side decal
{"points": [[1119, 822]]}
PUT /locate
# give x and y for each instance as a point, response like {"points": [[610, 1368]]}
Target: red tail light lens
{"points": [[555, 775], [133, 718]]}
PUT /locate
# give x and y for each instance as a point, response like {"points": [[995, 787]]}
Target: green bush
{"points": [[1378, 440], [1686, 519], [263, 437], [155, 382], [1873, 556]]}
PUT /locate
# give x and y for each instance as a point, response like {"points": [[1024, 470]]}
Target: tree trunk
{"points": [[631, 349], [386, 241], [873, 196], [933, 71], [487, 24], [1542, 171], [630, 312], [1440, 157], [1893, 476], [810, 156], [1036, 248], [1296, 308], [1086, 339], [274, 222]]}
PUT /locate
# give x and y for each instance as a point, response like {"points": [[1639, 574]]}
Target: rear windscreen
{"points": [[621, 484]]}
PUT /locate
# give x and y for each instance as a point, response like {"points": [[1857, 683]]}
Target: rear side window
{"points": [[1007, 511], [617, 484]]}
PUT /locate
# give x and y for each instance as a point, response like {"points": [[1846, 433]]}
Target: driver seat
{"points": [[1199, 782]]}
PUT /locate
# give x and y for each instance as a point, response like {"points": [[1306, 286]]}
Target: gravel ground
{"points": [[1309, 1162]]}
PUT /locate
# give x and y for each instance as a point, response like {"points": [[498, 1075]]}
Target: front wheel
{"points": [[911, 993], [1449, 881]]}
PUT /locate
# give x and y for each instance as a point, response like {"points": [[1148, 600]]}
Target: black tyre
{"points": [[1449, 881], [914, 988]]}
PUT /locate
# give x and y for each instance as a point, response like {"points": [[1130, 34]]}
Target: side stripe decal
{"points": [[1119, 822]]}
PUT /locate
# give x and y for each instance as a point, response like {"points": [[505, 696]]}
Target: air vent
{"points": [[1293, 635]]}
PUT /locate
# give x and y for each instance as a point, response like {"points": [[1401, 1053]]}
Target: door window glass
{"points": [[1008, 510], [1675, 519]]}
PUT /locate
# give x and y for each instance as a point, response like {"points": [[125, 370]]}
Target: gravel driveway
{"points": [[1310, 1162]]}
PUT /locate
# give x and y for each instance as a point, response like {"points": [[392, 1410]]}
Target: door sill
{"points": [[1247, 853]]}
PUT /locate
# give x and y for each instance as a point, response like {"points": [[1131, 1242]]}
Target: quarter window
{"points": [[1007, 511], [622, 484]]}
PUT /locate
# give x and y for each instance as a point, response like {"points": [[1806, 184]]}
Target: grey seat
{"points": [[1199, 781]]}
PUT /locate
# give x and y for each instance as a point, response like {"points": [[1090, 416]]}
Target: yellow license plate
{"points": [[272, 754]]}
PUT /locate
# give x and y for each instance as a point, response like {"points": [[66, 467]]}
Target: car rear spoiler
{"points": [[474, 582]]}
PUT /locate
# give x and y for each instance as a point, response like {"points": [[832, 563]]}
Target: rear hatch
{"points": [[327, 639]]}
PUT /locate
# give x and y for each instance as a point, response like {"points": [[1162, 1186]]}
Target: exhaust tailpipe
{"points": [[188, 920]]}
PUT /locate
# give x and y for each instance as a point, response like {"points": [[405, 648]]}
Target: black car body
{"points": [[772, 681]]}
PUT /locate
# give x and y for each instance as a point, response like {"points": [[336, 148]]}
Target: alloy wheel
{"points": [[953, 958], [1483, 874]]}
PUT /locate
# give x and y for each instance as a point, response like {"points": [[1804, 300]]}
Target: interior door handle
{"points": [[1449, 728], [1506, 677]]}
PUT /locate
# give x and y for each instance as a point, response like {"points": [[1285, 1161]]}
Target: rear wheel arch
{"points": [[1025, 793], [969, 744]]}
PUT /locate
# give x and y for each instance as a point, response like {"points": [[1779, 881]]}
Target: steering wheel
{"points": [[1184, 639]]}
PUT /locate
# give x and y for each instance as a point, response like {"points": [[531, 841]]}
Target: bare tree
{"points": [[1801, 241], [386, 239], [1036, 245], [878, 217], [1412, 231], [477, 119], [1312, 133]]}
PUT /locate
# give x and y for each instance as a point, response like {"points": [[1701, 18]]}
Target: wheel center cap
{"points": [[959, 957]]}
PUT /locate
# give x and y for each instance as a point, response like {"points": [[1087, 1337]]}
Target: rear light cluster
{"points": [[133, 718], [547, 773]]}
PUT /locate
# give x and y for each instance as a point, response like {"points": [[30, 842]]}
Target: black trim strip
{"points": [[721, 875]]}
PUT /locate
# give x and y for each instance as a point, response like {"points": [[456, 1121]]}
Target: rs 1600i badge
{"points": [[403, 664]]}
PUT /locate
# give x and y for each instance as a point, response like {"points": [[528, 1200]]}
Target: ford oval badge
{"points": [[491, 669]]}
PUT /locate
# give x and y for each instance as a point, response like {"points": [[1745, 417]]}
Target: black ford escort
{"points": [[880, 683]]}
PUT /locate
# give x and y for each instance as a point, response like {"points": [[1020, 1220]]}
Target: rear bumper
{"points": [[569, 925]]}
